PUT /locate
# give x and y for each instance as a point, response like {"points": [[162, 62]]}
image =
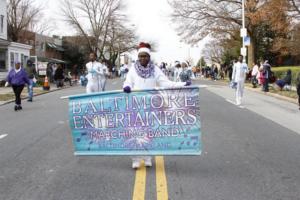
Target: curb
{"points": [[277, 96], [56, 89]]}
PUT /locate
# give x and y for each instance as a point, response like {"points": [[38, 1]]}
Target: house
{"points": [[10, 52], [45, 50]]}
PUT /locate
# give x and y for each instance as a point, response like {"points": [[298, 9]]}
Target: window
{"points": [[2, 59], [12, 60], [42, 47], [1, 23]]}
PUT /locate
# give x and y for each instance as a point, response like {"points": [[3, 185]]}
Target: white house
{"points": [[10, 52]]}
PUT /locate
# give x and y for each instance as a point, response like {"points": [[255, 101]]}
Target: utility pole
{"points": [[243, 32]]}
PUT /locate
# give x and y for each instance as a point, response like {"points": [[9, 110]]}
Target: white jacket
{"points": [[134, 81], [255, 71], [239, 72], [96, 71]]}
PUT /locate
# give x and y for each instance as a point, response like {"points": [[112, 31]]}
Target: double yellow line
{"points": [[161, 181]]}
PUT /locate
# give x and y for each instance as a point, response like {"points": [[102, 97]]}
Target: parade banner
{"points": [[144, 122]]}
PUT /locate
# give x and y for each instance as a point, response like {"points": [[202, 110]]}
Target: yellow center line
{"points": [[140, 183], [161, 180]]}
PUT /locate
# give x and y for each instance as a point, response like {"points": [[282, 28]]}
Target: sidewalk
{"points": [[7, 95], [258, 90], [278, 109]]}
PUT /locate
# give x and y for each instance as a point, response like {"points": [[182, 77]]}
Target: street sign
{"points": [[247, 41], [243, 32], [244, 51]]}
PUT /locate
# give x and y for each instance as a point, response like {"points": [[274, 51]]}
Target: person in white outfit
{"points": [[145, 75], [96, 75], [238, 76], [177, 71], [254, 74]]}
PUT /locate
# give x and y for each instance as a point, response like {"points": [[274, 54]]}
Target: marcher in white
{"points": [[96, 75], [145, 75], [125, 69], [177, 71], [238, 76]]}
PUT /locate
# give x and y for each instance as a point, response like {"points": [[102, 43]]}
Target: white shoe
{"points": [[135, 164], [148, 162]]}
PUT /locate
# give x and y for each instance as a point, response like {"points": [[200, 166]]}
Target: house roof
{"points": [[54, 46]]}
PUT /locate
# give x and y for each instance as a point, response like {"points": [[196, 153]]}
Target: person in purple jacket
{"points": [[17, 78]]}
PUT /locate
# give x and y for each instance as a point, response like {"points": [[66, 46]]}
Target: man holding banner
{"points": [[145, 75]]}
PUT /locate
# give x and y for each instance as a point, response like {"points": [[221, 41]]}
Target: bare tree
{"points": [[120, 38], [91, 19], [295, 4], [41, 25], [20, 15], [213, 51]]}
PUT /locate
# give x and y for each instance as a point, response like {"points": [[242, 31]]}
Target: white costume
{"points": [[96, 77], [134, 81], [238, 76], [177, 71], [138, 79], [123, 70]]}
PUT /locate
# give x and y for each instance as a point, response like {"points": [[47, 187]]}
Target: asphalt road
{"points": [[247, 155]]}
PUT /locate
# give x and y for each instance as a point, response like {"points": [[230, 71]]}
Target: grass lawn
{"points": [[11, 96]]}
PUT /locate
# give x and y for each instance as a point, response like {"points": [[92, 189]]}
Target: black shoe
{"points": [[29, 100], [20, 107], [16, 107]]}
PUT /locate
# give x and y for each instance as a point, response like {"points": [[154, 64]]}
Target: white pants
{"points": [[239, 92], [95, 86]]}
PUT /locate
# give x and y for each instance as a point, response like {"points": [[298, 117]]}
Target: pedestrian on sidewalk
{"points": [[238, 77], [31, 72], [286, 81], [298, 88], [59, 76], [96, 76], [185, 74], [267, 73], [254, 74], [145, 75], [17, 78]]}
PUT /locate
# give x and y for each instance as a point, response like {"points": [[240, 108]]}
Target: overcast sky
{"points": [[152, 22]]}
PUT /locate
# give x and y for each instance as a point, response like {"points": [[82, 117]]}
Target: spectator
{"points": [[31, 72], [267, 75], [185, 74], [75, 72], [287, 80], [59, 76], [298, 88], [17, 78], [254, 74]]}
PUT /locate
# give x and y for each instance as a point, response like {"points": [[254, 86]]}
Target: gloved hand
{"points": [[188, 83], [127, 89]]}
